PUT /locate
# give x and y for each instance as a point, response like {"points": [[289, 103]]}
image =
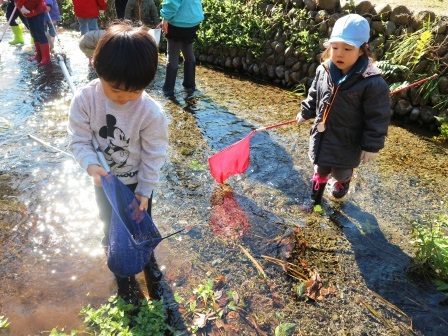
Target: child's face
{"points": [[118, 95], [344, 55]]}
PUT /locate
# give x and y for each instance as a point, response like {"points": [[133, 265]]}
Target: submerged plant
{"points": [[4, 324], [120, 318]]}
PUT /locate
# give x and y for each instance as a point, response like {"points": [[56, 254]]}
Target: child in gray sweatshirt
{"points": [[129, 126]]}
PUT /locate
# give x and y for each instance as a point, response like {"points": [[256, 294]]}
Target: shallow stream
{"points": [[52, 265]]}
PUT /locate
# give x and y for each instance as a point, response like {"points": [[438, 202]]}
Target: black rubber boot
{"points": [[318, 192], [153, 276], [125, 291], [340, 189], [189, 82], [170, 80], [318, 187]]}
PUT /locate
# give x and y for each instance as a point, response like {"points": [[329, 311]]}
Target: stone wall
{"points": [[283, 66]]}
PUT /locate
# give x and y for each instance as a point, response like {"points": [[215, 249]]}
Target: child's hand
{"points": [[300, 119], [368, 156], [96, 172], [164, 26], [143, 202], [24, 10]]}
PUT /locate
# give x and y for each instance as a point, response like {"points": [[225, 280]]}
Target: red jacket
{"points": [[88, 9], [34, 6]]}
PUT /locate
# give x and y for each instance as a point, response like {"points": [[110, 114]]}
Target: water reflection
{"points": [[52, 263]]}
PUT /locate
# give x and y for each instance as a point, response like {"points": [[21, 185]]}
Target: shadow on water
{"points": [[384, 268], [269, 163], [53, 264]]}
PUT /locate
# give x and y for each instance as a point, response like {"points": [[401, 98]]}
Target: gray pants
{"points": [[339, 174]]}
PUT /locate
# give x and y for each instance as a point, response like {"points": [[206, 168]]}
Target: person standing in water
{"points": [[349, 101], [180, 22], [130, 127]]}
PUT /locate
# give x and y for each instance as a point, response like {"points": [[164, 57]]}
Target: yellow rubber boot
{"points": [[18, 35]]}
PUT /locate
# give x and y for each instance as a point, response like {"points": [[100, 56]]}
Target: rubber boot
{"points": [[319, 183], [318, 187], [135, 288], [189, 82], [170, 80], [153, 276], [18, 35], [45, 51], [38, 56], [125, 291]]}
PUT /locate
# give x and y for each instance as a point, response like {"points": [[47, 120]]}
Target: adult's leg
{"points": [[172, 66], [189, 82], [120, 6]]}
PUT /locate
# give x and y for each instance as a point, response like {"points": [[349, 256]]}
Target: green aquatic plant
{"points": [[196, 165], [431, 242], [285, 329], [443, 128], [122, 319], [4, 324], [205, 292]]}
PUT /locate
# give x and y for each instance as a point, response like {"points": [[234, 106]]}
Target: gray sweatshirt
{"points": [[133, 136]]}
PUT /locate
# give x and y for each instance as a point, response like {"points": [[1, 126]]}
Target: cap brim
{"points": [[339, 39]]}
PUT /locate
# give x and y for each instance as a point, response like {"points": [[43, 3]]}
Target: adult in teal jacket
{"points": [[180, 22]]}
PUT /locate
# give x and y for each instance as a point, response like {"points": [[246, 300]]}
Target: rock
{"points": [[310, 4], [427, 115], [377, 26], [280, 71], [443, 85], [403, 107], [400, 15], [381, 12], [363, 7], [415, 112], [321, 16], [390, 28], [236, 62], [329, 5]]}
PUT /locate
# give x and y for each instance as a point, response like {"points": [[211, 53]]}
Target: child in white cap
{"points": [[350, 103]]}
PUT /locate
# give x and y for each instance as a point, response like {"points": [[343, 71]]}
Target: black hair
{"points": [[126, 57]]}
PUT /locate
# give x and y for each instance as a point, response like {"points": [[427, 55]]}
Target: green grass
{"points": [[431, 242]]}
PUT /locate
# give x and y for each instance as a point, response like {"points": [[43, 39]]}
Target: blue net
{"points": [[133, 235]]}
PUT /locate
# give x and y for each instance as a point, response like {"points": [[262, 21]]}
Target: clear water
{"points": [[52, 264]]}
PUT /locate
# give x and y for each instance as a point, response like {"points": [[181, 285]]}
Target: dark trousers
{"points": [[17, 14], [37, 28], [120, 6]]}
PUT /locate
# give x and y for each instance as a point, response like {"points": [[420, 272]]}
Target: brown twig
{"points": [[256, 264], [287, 266]]}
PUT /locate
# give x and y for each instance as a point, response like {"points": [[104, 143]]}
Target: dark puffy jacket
{"points": [[358, 119], [142, 10]]}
